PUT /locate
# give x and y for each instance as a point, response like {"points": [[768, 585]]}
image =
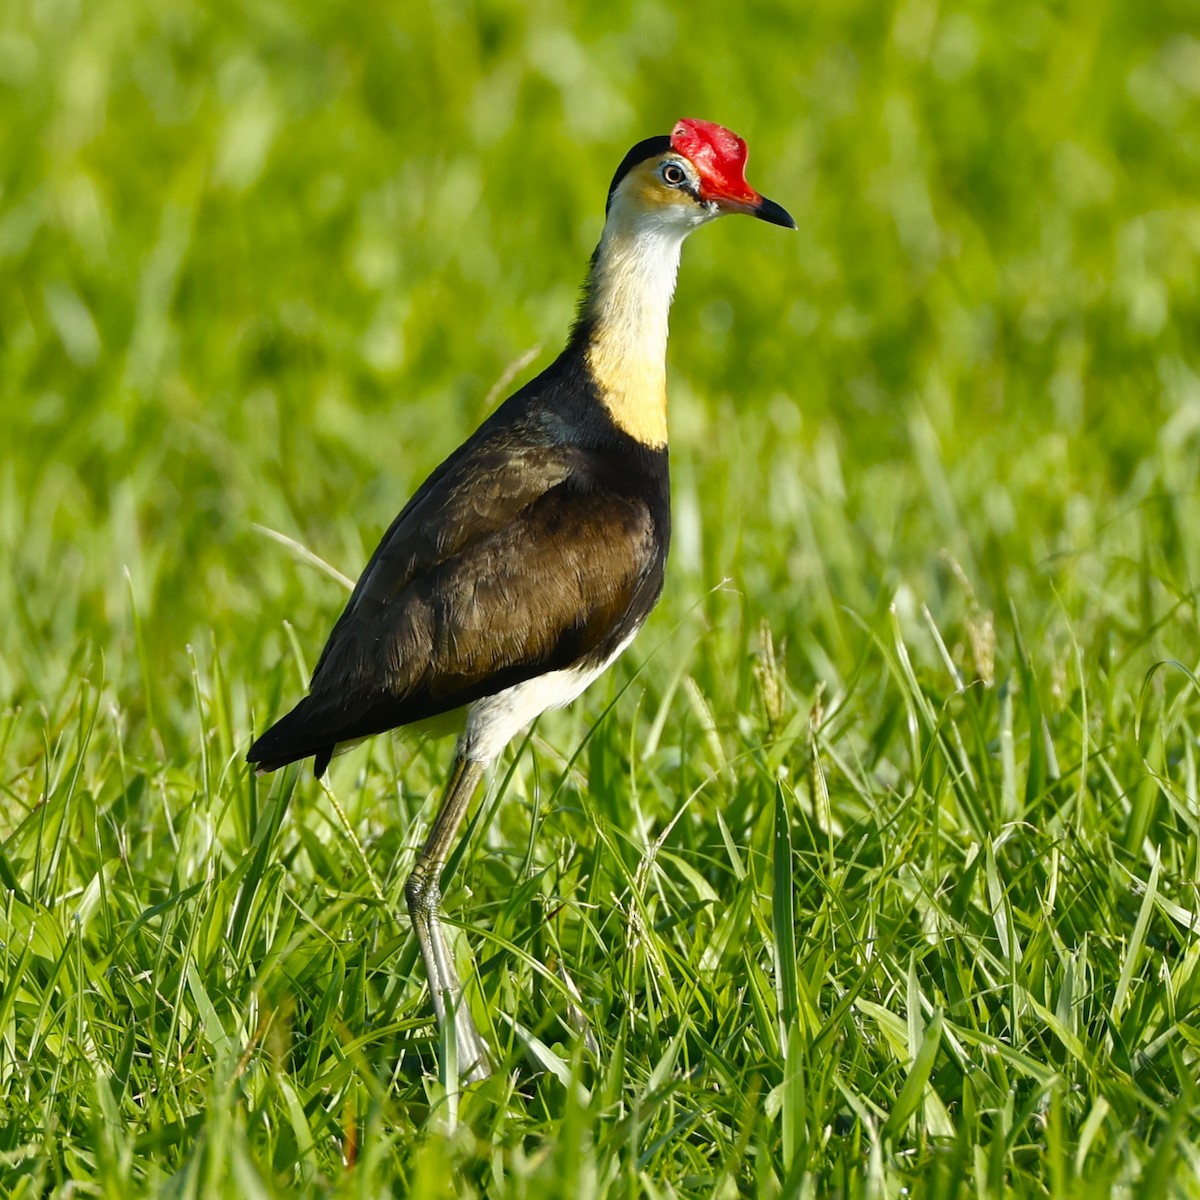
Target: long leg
{"points": [[424, 895]]}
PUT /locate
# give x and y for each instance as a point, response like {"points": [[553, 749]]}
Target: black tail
{"points": [[289, 740]]}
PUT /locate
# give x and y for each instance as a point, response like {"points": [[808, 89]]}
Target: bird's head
{"points": [[681, 181]]}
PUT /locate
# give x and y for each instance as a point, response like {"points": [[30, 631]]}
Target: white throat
{"points": [[632, 288]]}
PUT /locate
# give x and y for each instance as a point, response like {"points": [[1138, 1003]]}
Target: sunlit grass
{"points": [[872, 866]]}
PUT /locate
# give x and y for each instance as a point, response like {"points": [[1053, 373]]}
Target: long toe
{"points": [[474, 1057]]}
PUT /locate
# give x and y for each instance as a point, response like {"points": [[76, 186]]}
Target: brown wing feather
{"points": [[475, 493], [544, 591], [506, 564]]}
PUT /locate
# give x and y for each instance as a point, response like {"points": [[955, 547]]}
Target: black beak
{"points": [[776, 214]]}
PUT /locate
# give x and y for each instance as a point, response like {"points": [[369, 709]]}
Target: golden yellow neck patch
{"points": [[635, 393]]}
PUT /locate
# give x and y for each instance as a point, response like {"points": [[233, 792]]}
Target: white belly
{"points": [[495, 720]]}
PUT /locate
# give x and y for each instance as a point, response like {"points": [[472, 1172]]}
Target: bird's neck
{"points": [[623, 320]]}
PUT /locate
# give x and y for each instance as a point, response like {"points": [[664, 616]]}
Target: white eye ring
{"points": [[673, 174]]}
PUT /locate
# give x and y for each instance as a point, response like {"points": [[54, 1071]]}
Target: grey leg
{"points": [[424, 895]]}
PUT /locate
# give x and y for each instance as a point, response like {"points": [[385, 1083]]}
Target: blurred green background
{"points": [[265, 264]]}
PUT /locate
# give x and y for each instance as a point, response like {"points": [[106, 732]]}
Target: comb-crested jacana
{"points": [[529, 559]]}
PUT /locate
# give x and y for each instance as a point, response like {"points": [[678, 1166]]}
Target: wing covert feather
{"points": [[474, 494], [536, 595]]}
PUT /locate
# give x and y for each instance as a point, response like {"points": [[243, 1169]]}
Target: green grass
{"points": [[875, 862]]}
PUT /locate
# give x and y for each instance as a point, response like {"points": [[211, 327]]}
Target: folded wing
{"points": [[530, 568]]}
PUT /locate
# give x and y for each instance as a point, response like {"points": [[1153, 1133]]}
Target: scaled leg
{"points": [[423, 894]]}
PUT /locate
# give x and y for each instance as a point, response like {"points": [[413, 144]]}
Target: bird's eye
{"points": [[673, 174]]}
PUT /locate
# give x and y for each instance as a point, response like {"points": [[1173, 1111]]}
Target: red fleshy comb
{"points": [[718, 154]]}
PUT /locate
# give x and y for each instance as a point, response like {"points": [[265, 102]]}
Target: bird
{"points": [[528, 560]]}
